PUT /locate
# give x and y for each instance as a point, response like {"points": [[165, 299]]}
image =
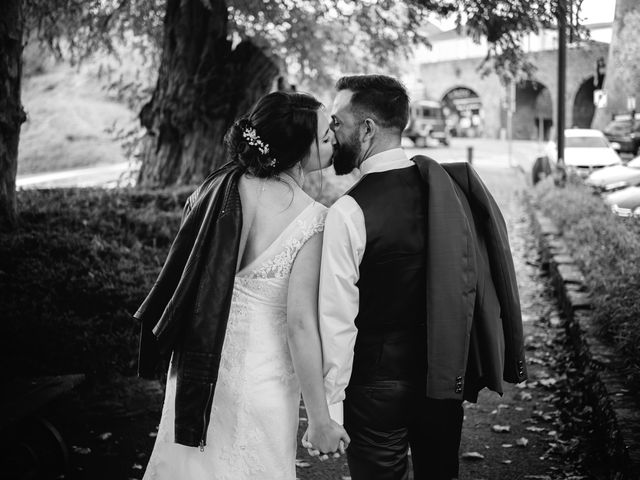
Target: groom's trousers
{"points": [[385, 418]]}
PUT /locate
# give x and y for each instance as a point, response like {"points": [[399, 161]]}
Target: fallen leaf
{"points": [[137, 466], [472, 456], [81, 450], [506, 445], [501, 428], [153, 434], [105, 435], [506, 462], [525, 396], [547, 382], [522, 442], [535, 429]]}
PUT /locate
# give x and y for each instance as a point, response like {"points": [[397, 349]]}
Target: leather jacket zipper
{"points": [[204, 418]]}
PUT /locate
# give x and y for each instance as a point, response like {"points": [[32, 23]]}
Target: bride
{"points": [[236, 306]]}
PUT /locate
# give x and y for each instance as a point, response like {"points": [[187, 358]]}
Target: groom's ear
{"points": [[368, 129]]}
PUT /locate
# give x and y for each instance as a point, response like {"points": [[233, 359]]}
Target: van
{"points": [[426, 121]]}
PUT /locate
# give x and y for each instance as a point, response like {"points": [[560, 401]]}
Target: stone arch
{"points": [[533, 118], [464, 111], [583, 108]]}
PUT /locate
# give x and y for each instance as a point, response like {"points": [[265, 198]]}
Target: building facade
{"points": [[477, 105]]}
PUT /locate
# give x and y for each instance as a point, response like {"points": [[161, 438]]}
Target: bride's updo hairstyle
{"points": [[275, 135]]}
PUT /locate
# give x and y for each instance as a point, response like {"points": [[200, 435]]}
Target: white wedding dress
{"points": [[254, 418]]}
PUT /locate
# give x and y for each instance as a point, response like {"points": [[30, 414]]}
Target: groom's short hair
{"points": [[379, 96]]}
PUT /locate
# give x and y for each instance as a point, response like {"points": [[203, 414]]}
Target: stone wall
{"points": [[441, 77]]}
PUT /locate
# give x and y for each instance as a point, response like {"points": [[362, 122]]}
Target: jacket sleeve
{"points": [[161, 296], [151, 310], [451, 283], [504, 279]]}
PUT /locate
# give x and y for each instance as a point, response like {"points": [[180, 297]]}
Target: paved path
{"points": [[526, 417], [113, 175]]}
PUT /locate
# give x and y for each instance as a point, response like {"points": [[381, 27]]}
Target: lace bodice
{"points": [[282, 252]]}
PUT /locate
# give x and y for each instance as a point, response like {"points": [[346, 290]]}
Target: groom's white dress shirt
{"points": [[342, 250]]}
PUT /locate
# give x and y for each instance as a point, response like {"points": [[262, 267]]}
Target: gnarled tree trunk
{"points": [[11, 112], [203, 85]]}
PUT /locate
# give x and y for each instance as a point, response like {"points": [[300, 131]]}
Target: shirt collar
{"points": [[387, 160]]}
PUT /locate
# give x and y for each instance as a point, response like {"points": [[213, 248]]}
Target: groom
{"points": [[405, 336]]}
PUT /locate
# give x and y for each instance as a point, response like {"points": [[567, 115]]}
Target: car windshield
{"points": [[428, 112], [619, 127], [635, 163], [585, 142]]}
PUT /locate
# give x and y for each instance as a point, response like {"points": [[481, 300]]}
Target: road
{"points": [[107, 176], [486, 153]]}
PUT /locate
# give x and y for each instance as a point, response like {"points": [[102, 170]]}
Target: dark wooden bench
{"points": [[31, 447]]}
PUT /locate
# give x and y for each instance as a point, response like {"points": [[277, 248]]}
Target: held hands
{"points": [[325, 438]]}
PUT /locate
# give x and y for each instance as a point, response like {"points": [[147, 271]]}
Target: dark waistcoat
{"points": [[391, 322]]}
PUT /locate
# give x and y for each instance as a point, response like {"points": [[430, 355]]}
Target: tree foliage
{"points": [[313, 40]]}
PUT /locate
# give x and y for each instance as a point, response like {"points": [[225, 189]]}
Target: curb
{"points": [[616, 412]]}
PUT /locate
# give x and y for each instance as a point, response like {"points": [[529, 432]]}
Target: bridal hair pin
{"points": [[252, 138]]}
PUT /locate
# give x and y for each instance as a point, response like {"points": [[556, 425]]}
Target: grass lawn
{"points": [[68, 115]]}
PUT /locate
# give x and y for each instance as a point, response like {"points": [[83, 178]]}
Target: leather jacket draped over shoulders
{"points": [[186, 311]]}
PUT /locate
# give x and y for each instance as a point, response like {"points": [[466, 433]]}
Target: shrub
{"points": [[73, 273], [607, 249]]}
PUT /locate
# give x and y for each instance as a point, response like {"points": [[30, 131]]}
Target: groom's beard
{"points": [[345, 157]]}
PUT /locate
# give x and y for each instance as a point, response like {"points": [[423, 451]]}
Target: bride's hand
{"points": [[325, 438]]}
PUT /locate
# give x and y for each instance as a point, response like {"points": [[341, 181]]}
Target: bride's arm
{"points": [[304, 343]]}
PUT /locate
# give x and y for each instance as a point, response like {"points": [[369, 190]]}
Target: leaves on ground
{"points": [[501, 428], [472, 456]]}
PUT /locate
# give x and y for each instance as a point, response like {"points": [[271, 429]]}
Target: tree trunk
{"points": [[11, 112], [203, 86], [614, 85]]}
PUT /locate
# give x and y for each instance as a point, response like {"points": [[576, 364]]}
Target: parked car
{"points": [[426, 122], [624, 137], [616, 177], [625, 202], [585, 150]]}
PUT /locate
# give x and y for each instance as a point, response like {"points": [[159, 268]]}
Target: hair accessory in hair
{"points": [[272, 163], [252, 138]]}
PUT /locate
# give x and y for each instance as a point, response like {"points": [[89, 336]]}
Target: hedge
{"points": [[74, 271], [607, 249]]}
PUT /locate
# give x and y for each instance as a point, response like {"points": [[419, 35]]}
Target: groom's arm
{"points": [[338, 301]]}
